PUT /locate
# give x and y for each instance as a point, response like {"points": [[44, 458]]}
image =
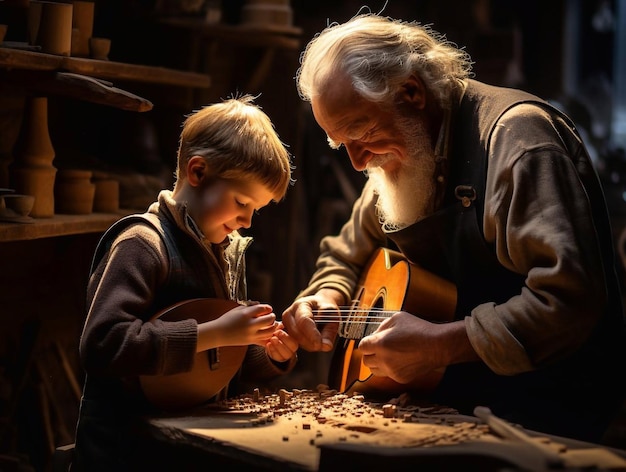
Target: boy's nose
{"points": [[245, 219]]}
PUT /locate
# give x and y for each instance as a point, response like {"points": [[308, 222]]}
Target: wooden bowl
{"points": [[19, 204], [99, 48]]}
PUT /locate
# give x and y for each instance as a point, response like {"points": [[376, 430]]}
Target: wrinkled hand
{"points": [[299, 321], [244, 325], [402, 348], [281, 347]]}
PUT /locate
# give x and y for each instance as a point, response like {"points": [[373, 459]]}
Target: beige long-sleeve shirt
{"points": [[538, 217]]}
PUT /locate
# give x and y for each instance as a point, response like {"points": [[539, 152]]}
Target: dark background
{"points": [[554, 49]]}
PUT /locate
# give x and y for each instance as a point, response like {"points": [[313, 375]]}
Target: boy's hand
{"points": [[243, 325], [281, 347]]}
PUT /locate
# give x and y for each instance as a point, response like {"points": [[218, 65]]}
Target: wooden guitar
{"points": [[212, 370], [389, 283]]}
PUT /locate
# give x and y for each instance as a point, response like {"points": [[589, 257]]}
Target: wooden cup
{"points": [[82, 23], [50, 26], [99, 48]]}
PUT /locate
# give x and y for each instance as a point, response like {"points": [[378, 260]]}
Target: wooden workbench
{"points": [[316, 431]]}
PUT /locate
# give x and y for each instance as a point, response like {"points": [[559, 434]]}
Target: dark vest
{"points": [[110, 407], [451, 244], [188, 275]]}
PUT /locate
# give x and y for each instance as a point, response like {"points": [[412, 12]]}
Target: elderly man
{"points": [[489, 190]]}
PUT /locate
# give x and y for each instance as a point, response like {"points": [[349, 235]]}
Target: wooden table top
{"points": [[293, 430]]}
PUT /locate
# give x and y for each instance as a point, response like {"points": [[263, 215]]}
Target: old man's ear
{"points": [[413, 92]]}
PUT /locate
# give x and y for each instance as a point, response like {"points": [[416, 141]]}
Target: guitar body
{"points": [[390, 282], [212, 370]]}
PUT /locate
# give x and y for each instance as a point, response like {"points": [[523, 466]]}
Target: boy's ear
{"points": [[413, 92], [196, 170]]}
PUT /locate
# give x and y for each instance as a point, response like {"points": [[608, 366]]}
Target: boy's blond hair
{"points": [[238, 141]]}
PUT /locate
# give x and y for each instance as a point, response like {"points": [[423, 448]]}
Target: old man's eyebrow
{"points": [[332, 143], [353, 130]]}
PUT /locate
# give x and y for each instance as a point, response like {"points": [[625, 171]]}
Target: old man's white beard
{"points": [[407, 195]]}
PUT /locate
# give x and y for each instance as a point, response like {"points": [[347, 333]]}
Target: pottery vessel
{"points": [[99, 48], [267, 13], [74, 192], [32, 170], [82, 27], [50, 26], [20, 205], [38, 182], [107, 196]]}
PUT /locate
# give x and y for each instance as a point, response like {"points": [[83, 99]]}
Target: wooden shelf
{"points": [[29, 60], [84, 79], [59, 225], [266, 36]]}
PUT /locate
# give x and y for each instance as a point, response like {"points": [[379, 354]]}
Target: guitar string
{"points": [[340, 318], [355, 327], [329, 315]]}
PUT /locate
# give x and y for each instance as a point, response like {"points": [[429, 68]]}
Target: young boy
{"points": [[186, 246]]}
